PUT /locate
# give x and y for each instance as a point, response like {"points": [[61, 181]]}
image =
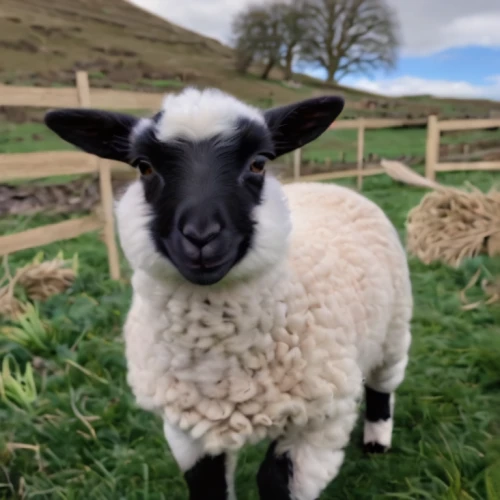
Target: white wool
{"points": [[200, 114], [185, 451], [140, 126], [317, 454], [322, 301]]}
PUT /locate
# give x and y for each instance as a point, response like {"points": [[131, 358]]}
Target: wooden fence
{"points": [[434, 129], [361, 125], [54, 163], [40, 165], [47, 164]]}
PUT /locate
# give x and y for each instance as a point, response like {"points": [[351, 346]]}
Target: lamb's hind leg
{"points": [[301, 465], [380, 390], [206, 476]]}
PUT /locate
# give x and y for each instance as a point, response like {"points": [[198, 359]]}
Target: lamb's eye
{"points": [[144, 167], [258, 165]]}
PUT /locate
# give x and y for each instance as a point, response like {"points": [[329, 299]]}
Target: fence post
{"points": [[297, 161], [432, 147], [83, 89], [109, 224], [106, 187], [361, 152]]}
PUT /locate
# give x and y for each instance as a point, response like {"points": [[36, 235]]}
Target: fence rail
{"points": [[55, 163], [48, 234], [40, 97], [455, 125], [17, 166], [434, 129], [361, 125]]}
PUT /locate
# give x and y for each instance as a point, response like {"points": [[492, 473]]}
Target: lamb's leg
{"points": [[206, 476], [378, 421], [380, 390], [303, 463], [275, 475]]}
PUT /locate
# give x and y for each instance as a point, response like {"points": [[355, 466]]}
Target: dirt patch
{"points": [[493, 156], [466, 148], [115, 51], [20, 45], [80, 195], [46, 79], [96, 64], [80, 16], [13, 115], [49, 31]]}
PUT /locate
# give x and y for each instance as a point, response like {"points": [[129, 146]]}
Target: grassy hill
{"points": [[122, 46]]}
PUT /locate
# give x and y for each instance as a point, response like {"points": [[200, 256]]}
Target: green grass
{"points": [[28, 138], [388, 143], [94, 443], [163, 84]]}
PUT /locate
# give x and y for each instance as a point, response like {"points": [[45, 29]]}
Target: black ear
{"points": [[101, 133], [295, 125]]}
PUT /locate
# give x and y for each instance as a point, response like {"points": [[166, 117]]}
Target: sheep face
{"points": [[204, 209]]}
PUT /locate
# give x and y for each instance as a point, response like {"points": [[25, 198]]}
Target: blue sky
{"points": [[468, 71], [472, 64], [450, 47]]}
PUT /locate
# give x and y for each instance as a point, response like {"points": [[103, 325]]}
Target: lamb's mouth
{"points": [[200, 274], [198, 271]]}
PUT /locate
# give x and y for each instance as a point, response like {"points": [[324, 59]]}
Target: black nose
{"points": [[200, 234]]}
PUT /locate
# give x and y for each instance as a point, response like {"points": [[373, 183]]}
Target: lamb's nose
{"points": [[200, 235]]}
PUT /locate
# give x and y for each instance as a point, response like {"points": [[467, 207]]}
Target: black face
{"points": [[202, 193], [202, 196]]}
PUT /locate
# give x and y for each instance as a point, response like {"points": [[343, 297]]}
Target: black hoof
{"points": [[375, 448]]}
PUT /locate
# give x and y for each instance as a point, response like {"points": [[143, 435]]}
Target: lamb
{"points": [[259, 311]]}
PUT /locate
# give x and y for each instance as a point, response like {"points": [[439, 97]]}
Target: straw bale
{"points": [[40, 280]]}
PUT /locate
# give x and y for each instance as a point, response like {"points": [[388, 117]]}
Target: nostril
{"points": [[201, 236]]}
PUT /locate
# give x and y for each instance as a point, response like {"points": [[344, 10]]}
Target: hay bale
{"points": [[40, 280], [451, 225]]}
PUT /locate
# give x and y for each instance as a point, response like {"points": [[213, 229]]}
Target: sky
{"points": [[450, 48]]}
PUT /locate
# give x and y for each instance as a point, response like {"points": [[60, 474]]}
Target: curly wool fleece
{"points": [[236, 363]]}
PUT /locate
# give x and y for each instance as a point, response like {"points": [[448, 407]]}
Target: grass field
{"points": [[69, 428], [86, 439], [389, 143]]}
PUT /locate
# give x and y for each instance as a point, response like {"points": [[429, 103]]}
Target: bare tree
{"points": [[293, 29], [244, 30], [245, 56], [258, 38], [348, 36]]}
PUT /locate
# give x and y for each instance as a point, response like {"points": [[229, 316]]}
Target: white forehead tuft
{"points": [[141, 125], [199, 114]]}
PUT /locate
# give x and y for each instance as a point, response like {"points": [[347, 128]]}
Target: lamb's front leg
{"points": [[206, 476], [302, 464]]}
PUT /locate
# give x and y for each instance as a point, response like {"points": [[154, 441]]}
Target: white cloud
{"points": [[209, 17], [410, 85], [428, 26]]}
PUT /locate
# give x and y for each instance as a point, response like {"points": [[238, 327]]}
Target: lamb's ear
{"points": [[102, 133], [295, 125]]}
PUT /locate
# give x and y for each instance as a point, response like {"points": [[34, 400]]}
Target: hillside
{"points": [[122, 46]]}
